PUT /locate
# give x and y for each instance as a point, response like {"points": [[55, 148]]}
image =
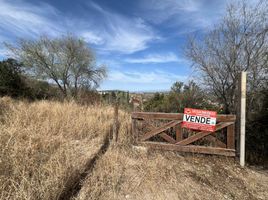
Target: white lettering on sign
{"points": [[199, 119]]}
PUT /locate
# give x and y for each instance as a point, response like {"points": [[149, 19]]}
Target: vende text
{"points": [[199, 119], [204, 120]]}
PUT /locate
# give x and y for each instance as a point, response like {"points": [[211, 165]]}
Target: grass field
{"points": [[46, 146]]}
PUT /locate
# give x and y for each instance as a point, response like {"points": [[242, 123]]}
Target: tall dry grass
{"points": [[44, 145]]}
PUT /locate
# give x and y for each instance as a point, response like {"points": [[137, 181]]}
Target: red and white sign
{"points": [[203, 120]]}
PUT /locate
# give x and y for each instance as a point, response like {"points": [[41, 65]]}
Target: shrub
{"points": [[11, 81]]}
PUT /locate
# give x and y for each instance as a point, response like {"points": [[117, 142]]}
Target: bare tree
{"points": [[67, 60], [238, 43]]}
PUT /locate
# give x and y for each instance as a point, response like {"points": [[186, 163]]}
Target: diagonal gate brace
{"points": [[164, 135], [159, 130], [213, 138], [202, 134]]}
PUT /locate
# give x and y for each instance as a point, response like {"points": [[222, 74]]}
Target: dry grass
{"points": [[45, 144]]}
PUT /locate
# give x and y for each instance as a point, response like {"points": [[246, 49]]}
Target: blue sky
{"points": [[141, 42]]}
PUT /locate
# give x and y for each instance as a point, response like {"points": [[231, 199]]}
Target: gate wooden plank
{"points": [[176, 116], [157, 115], [201, 134], [231, 137], [160, 129], [217, 142], [167, 138], [190, 148], [178, 133], [134, 129], [226, 118], [163, 135]]}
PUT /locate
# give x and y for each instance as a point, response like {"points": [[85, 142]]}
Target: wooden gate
{"points": [[164, 131]]}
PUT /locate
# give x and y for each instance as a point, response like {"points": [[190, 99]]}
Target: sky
{"points": [[140, 41]]}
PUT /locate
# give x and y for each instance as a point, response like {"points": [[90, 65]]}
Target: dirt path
{"points": [[73, 187]]}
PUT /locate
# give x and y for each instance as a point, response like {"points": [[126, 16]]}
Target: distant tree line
{"points": [[181, 95], [112, 96]]}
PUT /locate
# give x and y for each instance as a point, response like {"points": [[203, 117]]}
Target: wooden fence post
{"points": [[134, 130], [116, 122], [242, 113], [231, 137]]}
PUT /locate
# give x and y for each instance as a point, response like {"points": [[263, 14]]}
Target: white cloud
{"points": [[127, 41], [92, 38], [154, 80], [168, 8], [123, 34], [22, 18], [3, 52], [187, 14], [155, 58], [112, 32], [157, 76], [110, 63]]}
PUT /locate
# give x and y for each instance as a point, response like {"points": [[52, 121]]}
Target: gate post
{"points": [[242, 115]]}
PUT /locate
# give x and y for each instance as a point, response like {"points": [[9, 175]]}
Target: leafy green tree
{"points": [[177, 87], [156, 104]]}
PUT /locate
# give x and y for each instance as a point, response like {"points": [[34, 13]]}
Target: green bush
{"points": [[11, 81], [181, 96], [42, 90], [257, 135]]}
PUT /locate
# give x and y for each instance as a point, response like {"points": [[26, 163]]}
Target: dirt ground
{"points": [[127, 172]]}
